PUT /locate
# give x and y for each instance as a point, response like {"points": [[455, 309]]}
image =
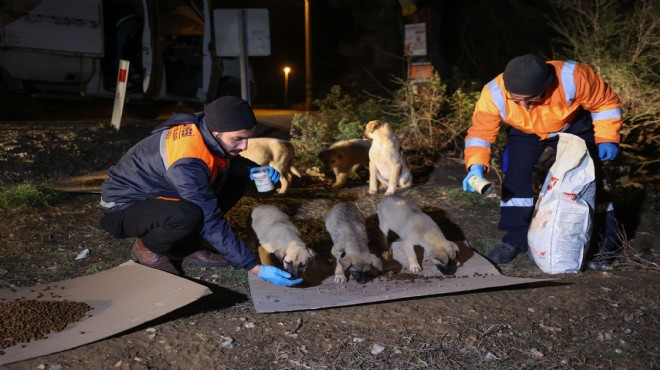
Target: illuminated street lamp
{"points": [[286, 85]]}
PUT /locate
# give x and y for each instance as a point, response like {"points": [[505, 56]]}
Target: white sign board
{"points": [[415, 40], [257, 32]]}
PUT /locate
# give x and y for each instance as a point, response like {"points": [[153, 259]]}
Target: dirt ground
{"points": [[594, 319]]}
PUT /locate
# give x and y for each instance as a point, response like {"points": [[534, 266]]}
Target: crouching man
{"points": [[173, 188]]}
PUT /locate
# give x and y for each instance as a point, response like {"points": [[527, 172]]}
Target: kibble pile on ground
{"points": [[23, 320]]}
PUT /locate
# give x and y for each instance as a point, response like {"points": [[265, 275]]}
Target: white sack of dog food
{"points": [[560, 230]]}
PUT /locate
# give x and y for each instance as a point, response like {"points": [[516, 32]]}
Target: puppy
{"points": [[344, 158], [346, 226], [415, 227], [279, 236], [387, 165], [276, 153]]}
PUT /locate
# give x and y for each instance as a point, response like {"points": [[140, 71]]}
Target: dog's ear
{"points": [[376, 263], [344, 261]]}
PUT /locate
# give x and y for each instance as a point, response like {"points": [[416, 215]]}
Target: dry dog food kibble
{"points": [[23, 320]]}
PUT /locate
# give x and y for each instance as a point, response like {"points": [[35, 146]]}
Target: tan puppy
{"points": [[276, 153], [278, 235], [346, 226], [387, 165], [344, 158], [415, 227]]}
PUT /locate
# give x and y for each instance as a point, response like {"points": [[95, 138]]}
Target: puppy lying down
{"points": [[279, 236], [350, 247], [415, 227]]}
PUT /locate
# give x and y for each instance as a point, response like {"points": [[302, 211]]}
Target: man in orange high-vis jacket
{"points": [[172, 189], [538, 100]]}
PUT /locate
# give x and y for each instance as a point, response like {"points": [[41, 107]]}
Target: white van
{"points": [[64, 47]]}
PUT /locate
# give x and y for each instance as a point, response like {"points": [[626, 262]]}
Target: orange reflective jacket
{"points": [[576, 85]]}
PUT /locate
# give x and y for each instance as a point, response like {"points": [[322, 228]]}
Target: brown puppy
{"points": [[387, 165], [344, 158], [276, 153], [415, 227], [278, 235], [348, 231]]}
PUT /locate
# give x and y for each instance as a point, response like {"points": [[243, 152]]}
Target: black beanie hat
{"points": [[229, 113], [527, 75]]}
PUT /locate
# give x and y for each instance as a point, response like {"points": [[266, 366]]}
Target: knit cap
{"points": [[229, 113], [527, 75]]}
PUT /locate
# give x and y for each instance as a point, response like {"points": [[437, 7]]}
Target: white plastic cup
{"points": [[481, 185], [262, 180]]}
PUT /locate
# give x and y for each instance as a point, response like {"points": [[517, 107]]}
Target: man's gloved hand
{"points": [[475, 170], [272, 173], [276, 276], [607, 151]]}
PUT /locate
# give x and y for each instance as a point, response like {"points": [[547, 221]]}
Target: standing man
{"points": [[175, 186], [538, 100]]}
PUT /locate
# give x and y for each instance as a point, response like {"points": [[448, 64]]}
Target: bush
{"points": [[339, 117], [620, 40], [424, 117], [26, 195]]}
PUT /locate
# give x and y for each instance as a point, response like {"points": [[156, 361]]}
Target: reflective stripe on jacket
{"points": [[179, 160], [576, 85]]}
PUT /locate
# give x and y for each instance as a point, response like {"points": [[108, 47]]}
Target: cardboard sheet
{"points": [[320, 291], [119, 301], [87, 183]]}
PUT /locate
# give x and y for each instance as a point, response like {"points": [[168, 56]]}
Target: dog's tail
{"points": [[295, 171]]}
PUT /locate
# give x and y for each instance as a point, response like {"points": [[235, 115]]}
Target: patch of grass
{"points": [[27, 195], [484, 246], [469, 199]]}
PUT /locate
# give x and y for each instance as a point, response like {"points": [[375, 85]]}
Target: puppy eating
{"points": [[387, 165], [278, 235], [346, 226], [415, 227]]}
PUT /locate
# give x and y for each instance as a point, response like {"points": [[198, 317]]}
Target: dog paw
{"points": [[373, 191], [340, 279], [389, 192], [415, 269]]}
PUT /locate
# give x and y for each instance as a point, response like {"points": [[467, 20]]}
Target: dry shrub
{"points": [[620, 39]]}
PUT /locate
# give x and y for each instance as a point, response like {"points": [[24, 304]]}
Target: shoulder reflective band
{"points": [[568, 81], [498, 97]]}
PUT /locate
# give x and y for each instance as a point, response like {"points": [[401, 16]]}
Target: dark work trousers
{"points": [[521, 154], [165, 224]]}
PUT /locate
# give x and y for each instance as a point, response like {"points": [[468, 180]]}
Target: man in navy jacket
{"points": [[175, 186]]}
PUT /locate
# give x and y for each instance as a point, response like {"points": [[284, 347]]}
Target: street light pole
{"points": [[286, 85], [308, 59]]}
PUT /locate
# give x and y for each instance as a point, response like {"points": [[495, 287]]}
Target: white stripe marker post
{"points": [[120, 94]]}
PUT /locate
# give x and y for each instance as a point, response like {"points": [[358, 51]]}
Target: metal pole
{"points": [[286, 86], [308, 60], [243, 61]]}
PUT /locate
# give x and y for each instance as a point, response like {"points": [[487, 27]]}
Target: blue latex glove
{"points": [[475, 170], [272, 173], [607, 151], [276, 276]]}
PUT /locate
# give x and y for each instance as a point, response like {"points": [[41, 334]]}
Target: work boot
{"points": [[203, 258], [505, 253], [194, 252], [144, 256]]}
